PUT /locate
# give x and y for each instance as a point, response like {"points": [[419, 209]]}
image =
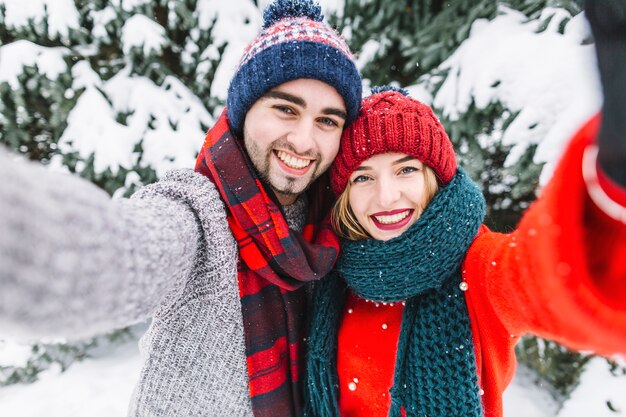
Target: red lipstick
{"points": [[392, 226]]}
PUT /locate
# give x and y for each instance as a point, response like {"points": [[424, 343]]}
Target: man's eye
{"points": [[329, 122], [284, 109]]}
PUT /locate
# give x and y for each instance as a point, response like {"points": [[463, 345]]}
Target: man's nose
{"points": [[301, 136]]}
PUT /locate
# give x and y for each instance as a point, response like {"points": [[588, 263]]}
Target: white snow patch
{"points": [[525, 398], [169, 118], [101, 18], [142, 32], [92, 128], [550, 78], [62, 14], [13, 353], [174, 112], [597, 388], [238, 22], [15, 55], [98, 387]]}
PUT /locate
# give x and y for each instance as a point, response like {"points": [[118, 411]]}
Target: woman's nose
{"points": [[388, 192]]}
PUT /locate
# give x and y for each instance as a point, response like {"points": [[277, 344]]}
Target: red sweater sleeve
{"points": [[561, 275]]}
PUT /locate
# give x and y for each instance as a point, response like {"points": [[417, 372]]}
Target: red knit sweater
{"points": [[561, 275]]}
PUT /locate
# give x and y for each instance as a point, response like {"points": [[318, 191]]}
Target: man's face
{"points": [[292, 134]]}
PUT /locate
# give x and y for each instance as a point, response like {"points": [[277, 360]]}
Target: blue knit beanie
{"points": [[293, 44]]}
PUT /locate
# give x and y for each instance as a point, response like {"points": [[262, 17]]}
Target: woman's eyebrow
{"points": [[404, 159]]}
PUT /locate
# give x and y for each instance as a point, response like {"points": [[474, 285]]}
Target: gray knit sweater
{"points": [[75, 263]]}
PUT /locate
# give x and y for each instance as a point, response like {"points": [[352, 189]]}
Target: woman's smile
{"points": [[388, 194], [391, 220]]}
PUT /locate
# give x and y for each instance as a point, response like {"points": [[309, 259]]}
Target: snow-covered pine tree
{"points": [[34, 102], [119, 91], [412, 36]]}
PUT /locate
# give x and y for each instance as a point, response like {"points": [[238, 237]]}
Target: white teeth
{"points": [[292, 161], [393, 218]]}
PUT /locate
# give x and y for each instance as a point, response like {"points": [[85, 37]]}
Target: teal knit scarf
{"points": [[435, 371]]}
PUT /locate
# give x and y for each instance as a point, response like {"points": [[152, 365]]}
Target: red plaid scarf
{"points": [[274, 263]]}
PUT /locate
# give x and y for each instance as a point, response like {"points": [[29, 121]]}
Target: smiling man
{"points": [[217, 257]]}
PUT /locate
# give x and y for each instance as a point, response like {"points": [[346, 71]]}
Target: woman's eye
{"points": [[408, 170], [360, 178]]}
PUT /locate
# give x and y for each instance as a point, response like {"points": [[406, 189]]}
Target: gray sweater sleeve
{"points": [[73, 262]]}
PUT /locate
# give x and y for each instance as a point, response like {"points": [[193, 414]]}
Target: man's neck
{"points": [[286, 199]]}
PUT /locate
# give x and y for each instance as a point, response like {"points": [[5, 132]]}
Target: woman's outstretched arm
{"points": [[562, 273]]}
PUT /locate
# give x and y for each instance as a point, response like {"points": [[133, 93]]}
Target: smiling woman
{"points": [[425, 305]]}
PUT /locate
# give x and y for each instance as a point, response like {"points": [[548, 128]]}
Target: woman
{"points": [[426, 305]]}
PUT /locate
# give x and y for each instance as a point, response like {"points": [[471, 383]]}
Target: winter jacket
{"points": [[560, 275], [75, 263]]}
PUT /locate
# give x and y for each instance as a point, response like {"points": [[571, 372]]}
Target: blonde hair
{"points": [[345, 222]]}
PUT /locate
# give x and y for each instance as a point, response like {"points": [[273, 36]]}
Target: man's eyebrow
{"points": [[285, 96], [331, 111]]}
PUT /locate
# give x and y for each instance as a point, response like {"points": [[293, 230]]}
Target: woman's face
{"points": [[388, 194]]}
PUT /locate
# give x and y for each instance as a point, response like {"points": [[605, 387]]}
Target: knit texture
{"points": [[74, 263], [275, 263], [435, 371], [390, 121], [293, 44]]}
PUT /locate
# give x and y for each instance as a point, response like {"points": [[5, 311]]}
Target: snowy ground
{"points": [[98, 387], [101, 387]]}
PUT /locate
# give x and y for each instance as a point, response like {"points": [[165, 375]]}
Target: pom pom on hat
{"points": [[391, 121], [283, 9], [293, 44]]}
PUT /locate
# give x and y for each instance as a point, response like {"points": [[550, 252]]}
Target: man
{"points": [[212, 256]]}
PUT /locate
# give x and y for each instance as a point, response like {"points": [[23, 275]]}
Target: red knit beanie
{"points": [[390, 121]]}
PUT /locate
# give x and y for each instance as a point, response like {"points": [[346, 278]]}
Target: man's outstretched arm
{"points": [[73, 262]]}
